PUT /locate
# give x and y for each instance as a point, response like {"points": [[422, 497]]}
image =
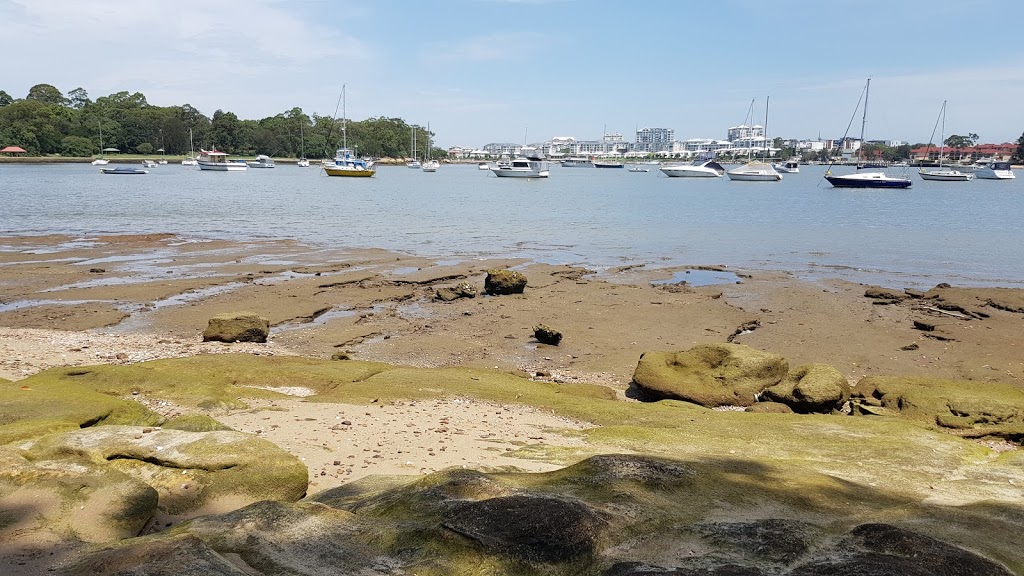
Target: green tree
{"points": [[957, 141], [5, 99], [79, 98], [47, 94], [1019, 155], [77, 146]]}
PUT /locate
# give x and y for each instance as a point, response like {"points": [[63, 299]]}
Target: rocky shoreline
{"points": [[405, 417]]}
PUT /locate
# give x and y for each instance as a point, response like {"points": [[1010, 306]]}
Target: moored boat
{"points": [[948, 174], [346, 163], [262, 161], [697, 169], [522, 168], [483, 166], [123, 170], [754, 172], [607, 164], [577, 162], [865, 179], [787, 167], [994, 171], [218, 161], [149, 164]]}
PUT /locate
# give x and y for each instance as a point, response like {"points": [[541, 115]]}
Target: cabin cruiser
{"points": [[148, 164], [262, 161], [577, 162], [754, 172], [993, 171], [345, 163], [216, 160], [788, 167], [867, 180], [522, 168], [697, 169]]}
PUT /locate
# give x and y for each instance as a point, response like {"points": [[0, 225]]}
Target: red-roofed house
{"points": [[988, 152]]}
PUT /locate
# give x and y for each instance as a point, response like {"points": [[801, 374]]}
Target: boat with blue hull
{"points": [[865, 179]]}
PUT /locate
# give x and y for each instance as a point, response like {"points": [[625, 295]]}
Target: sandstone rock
{"points": [[817, 388], [769, 408], [885, 293], [528, 527], [179, 555], [547, 335], [966, 408], [710, 374], [503, 282], [237, 327], [188, 469]]}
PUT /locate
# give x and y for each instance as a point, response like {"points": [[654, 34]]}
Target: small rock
{"points": [[547, 335]]}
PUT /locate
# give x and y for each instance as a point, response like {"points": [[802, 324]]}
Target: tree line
{"points": [[48, 122]]}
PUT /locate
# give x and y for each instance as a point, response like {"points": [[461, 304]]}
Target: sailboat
{"points": [[865, 179], [345, 162], [947, 175], [303, 162], [191, 160], [414, 163], [101, 161], [753, 170], [430, 165]]}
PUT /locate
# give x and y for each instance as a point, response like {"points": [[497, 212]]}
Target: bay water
{"points": [[964, 233]]}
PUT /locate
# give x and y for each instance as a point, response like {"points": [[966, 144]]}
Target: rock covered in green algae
{"points": [[965, 408], [187, 469], [237, 327], [614, 515], [547, 335], [503, 282], [812, 388], [710, 374]]}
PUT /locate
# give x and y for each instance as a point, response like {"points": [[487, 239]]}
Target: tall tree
{"points": [[957, 141], [47, 94], [5, 99], [79, 98], [1019, 156]]}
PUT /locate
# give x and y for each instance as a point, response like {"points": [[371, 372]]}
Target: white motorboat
{"points": [[994, 171], [346, 163], [148, 164], [123, 170], [787, 167], [638, 168], [302, 163], [100, 162], [218, 161], [697, 169], [577, 162], [262, 161], [522, 168], [941, 174], [483, 166], [754, 172]]}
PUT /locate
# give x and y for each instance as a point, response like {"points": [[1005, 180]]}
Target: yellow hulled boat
{"points": [[346, 164]]}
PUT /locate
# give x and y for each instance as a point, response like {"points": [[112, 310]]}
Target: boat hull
{"points": [[689, 172], [946, 176], [124, 171], [755, 176], [223, 166], [349, 172], [509, 173], [885, 182], [608, 165], [987, 174], [100, 162]]}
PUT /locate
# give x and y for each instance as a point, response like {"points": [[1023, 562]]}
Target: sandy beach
{"points": [[122, 300]]}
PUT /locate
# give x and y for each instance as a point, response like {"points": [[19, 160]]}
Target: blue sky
{"points": [[500, 70]]}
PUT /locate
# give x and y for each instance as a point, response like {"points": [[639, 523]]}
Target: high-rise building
{"points": [[654, 139]]}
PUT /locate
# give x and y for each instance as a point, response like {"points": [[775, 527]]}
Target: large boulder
{"points": [[812, 388], [963, 407], [710, 374], [503, 282], [237, 327]]}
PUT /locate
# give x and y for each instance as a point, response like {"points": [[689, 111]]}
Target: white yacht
{"points": [[522, 168], [787, 167], [148, 164], [697, 169], [994, 171], [483, 166], [191, 159], [754, 172], [262, 161], [947, 174], [218, 161]]}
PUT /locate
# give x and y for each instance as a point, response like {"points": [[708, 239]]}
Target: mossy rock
{"points": [[710, 374], [237, 327], [769, 408], [37, 406], [188, 469], [194, 423], [812, 388], [962, 407], [502, 282]]}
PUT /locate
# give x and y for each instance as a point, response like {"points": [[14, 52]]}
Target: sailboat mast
{"points": [[767, 150], [864, 118], [942, 134], [344, 128]]}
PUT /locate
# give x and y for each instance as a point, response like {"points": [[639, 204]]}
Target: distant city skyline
{"points": [[508, 70]]}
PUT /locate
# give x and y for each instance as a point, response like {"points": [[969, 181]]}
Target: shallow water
{"points": [[962, 233]]}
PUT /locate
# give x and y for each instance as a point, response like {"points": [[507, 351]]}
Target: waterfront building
{"points": [[969, 155], [654, 140]]}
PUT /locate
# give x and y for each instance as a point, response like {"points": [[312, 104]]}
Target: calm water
{"points": [[962, 233]]}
